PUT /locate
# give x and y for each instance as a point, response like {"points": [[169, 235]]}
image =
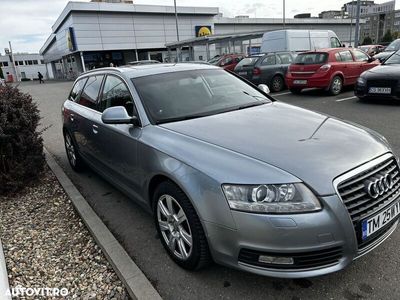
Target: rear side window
{"points": [[116, 93], [77, 89], [286, 58], [91, 92], [248, 61], [346, 55], [311, 58], [338, 57], [269, 60]]}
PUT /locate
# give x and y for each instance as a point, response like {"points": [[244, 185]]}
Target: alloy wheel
{"points": [[174, 227], [336, 85], [70, 150]]}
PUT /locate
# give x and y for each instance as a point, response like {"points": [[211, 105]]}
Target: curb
{"points": [[135, 282], [4, 286]]}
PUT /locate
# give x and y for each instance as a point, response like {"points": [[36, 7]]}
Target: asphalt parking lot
{"points": [[374, 276]]}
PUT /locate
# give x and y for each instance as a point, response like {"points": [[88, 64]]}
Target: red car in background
{"points": [[227, 61], [328, 69]]}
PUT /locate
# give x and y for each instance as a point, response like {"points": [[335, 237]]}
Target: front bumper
{"points": [[362, 93], [321, 81], [320, 243]]}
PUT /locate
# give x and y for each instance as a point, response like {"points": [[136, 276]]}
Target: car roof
{"points": [[327, 50], [153, 69]]}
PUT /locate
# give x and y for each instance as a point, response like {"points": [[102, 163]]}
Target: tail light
{"points": [[256, 71], [324, 68]]}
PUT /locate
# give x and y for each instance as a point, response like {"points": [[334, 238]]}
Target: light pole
{"points": [[357, 24], [176, 22], [284, 13]]}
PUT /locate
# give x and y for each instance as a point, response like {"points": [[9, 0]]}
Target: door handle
{"points": [[95, 129], [71, 117]]}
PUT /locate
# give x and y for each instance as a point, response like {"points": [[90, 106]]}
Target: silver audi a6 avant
{"points": [[231, 175]]}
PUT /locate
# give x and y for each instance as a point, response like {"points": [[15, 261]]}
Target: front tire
{"points": [[179, 227], [336, 86], [73, 156]]}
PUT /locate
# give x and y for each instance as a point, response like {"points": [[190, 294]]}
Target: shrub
{"points": [[367, 41], [1, 73], [25, 79], [21, 145]]}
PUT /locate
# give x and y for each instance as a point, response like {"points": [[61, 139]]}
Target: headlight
{"points": [[271, 198], [361, 81]]}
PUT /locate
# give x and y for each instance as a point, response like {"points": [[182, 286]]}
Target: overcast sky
{"points": [[27, 23]]}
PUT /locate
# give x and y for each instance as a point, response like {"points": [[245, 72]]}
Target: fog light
{"points": [[275, 260]]}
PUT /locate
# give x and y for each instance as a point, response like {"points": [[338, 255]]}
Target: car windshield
{"points": [[192, 94], [248, 61], [393, 46], [393, 59], [311, 58]]}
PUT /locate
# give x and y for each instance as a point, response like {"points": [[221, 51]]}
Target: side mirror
{"points": [[117, 115], [371, 59], [264, 88]]}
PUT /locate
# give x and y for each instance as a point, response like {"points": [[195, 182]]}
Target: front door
{"points": [[116, 145]]}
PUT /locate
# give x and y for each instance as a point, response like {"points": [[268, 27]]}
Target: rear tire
{"points": [[336, 86], [277, 83], [73, 156], [295, 91], [179, 227]]}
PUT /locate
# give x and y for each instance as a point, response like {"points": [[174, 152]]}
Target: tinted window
{"points": [[269, 60], [286, 58], [116, 93], [338, 57], [360, 56], [195, 93], [393, 46], [394, 59], [77, 89], [91, 91], [335, 43], [248, 61], [346, 55], [311, 58]]}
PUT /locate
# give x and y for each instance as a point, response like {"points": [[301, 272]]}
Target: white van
{"points": [[298, 40]]}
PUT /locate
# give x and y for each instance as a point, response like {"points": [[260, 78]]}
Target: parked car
{"points": [[294, 40], [372, 50], [389, 50], [328, 69], [382, 81], [231, 175], [227, 61], [269, 69]]}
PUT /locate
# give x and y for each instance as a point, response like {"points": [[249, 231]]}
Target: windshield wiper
{"points": [[183, 118], [254, 96], [250, 105]]}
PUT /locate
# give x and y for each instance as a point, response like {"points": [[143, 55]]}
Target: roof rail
{"points": [[103, 69]]}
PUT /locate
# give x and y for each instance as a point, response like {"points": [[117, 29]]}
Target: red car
{"points": [[328, 69], [227, 61]]}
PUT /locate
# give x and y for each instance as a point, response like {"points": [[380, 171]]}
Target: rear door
{"points": [[363, 60], [351, 68], [268, 66], [285, 60], [84, 114]]}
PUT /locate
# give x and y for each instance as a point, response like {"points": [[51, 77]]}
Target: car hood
{"points": [[386, 71], [313, 147]]}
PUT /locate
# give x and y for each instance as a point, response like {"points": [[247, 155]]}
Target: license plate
{"points": [[372, 225], [242, 73], [300, 81], [380, 90]]}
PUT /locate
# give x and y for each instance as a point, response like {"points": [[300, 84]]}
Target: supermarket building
{"points": [[90, 35]]}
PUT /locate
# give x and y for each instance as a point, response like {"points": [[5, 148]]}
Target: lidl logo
{"points": [[203, 30]]}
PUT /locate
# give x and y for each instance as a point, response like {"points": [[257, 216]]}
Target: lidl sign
{"points": [[203, 30]]}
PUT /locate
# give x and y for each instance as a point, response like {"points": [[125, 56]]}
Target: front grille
{"points": [[360, 204], [302, 260]]}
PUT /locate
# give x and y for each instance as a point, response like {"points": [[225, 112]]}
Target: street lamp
{"points": [[284, 12], [176, 22]]}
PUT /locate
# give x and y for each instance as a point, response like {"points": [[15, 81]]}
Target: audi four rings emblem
{"points": [[379, 186]]}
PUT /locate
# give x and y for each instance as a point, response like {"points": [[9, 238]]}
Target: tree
{"points": [[387, 38], [367, 41], [1, 73]]}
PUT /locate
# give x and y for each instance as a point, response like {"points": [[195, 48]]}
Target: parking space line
{"points": [[281, 94], [345, 99]]}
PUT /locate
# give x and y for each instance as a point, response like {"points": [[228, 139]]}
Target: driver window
{"points": [[116, 93], [269, 60]]}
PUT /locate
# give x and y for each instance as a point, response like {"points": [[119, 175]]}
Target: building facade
{"points": [[26, 66], [95, 34]]}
